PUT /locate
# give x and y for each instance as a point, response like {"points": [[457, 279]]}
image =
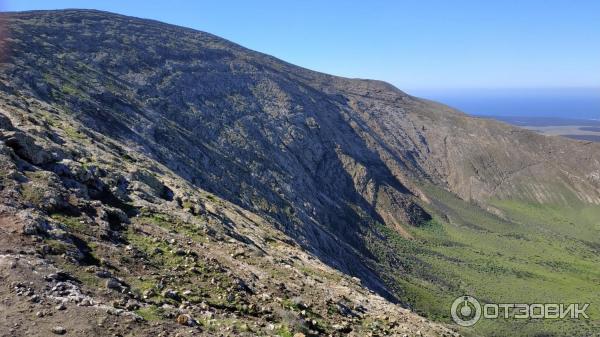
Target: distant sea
{"points": [[555, 103]]}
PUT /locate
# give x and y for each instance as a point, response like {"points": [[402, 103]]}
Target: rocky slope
{"points": [[98, 239], [140, 151]]}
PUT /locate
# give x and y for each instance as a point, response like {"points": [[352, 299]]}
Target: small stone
{"points": [[112, 283], [132, 305], [172, 294], [299, 334], [85, 302], [185, 319], [101, 320], [59, 330], [61, 306], [114, 311], [148, 293]]}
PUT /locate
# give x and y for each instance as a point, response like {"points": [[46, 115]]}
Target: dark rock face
{"points": [[262, 133], [325, 157]]}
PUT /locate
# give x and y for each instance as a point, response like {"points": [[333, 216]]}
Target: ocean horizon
{"points": [[564, 103]]}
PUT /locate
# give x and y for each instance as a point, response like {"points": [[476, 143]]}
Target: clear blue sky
{"points": [[416, 44]]}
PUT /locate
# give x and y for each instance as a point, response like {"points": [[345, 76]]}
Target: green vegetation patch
{"points": [[532, 254], [151, 313]]}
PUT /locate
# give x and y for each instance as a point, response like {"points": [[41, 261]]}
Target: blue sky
{"points": [[415, 45]]}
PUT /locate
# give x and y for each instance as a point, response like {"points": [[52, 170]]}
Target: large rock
{"points": [[33, 223], [44, 190], [5, 123], [26, 148]]}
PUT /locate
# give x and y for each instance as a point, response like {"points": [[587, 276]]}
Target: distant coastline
{"points": [[579, 129], [567, 112], [565, 103], [545, 121]]}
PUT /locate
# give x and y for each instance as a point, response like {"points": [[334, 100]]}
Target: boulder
{"points": [[171, 294], [33, 223], [26, 148], [5, 123], [113, 283]]}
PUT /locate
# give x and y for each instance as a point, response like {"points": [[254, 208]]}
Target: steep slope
{"points": [[237, 123], [376, 183], [98, 239]]}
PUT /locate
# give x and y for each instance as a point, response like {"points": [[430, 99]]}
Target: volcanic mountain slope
{"points": [[102, 247], [130, 140]]}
